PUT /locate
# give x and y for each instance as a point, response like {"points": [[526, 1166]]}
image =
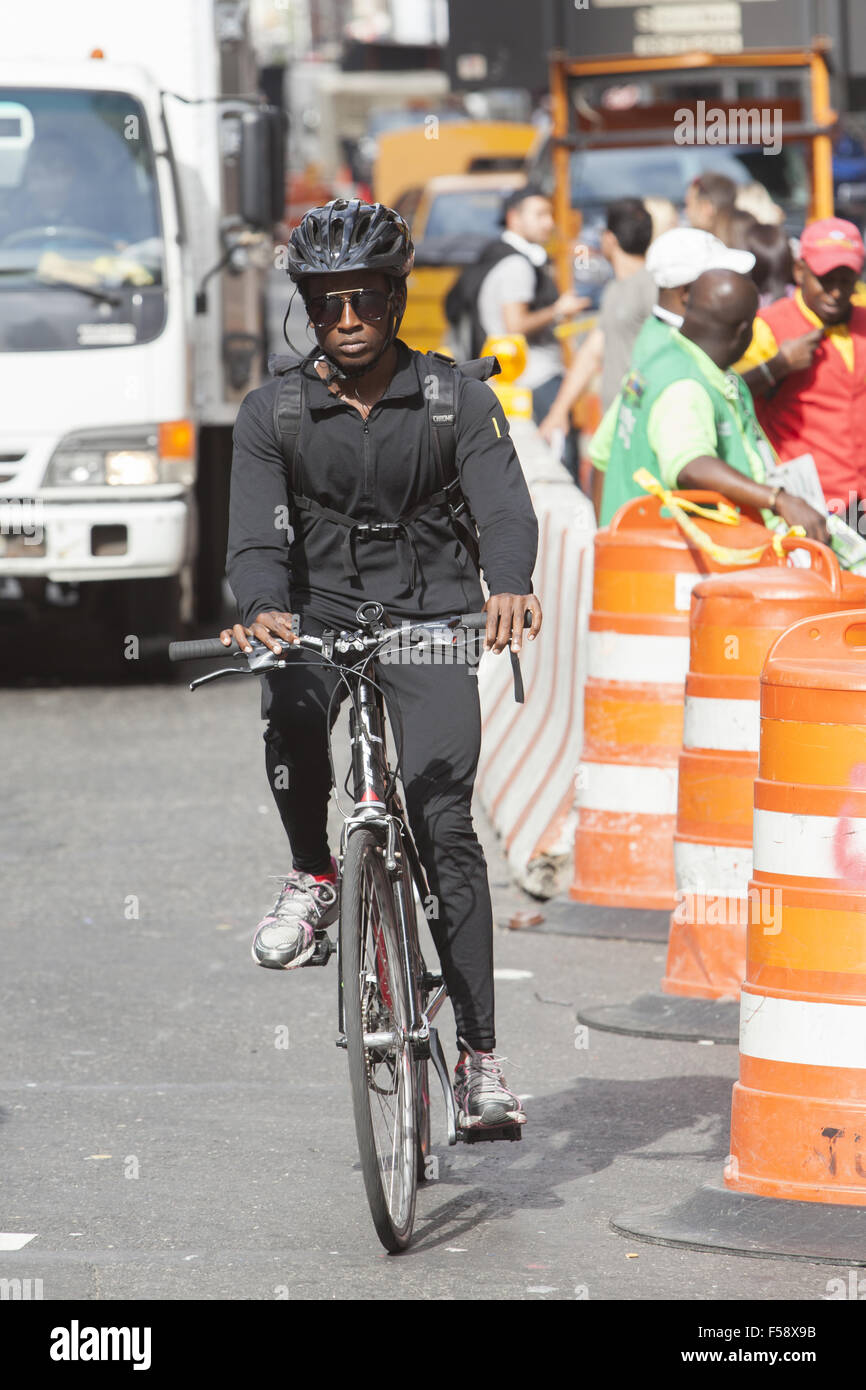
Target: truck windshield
{"points": [[78, 202]]}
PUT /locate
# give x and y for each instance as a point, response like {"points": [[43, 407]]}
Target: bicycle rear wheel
{"points": [[382, 1074]]}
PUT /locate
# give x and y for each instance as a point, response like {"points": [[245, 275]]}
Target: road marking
{"points": [[14, 1240], [512, 974]]}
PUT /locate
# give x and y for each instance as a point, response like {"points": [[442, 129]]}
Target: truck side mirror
{"points": [[261, 174]]}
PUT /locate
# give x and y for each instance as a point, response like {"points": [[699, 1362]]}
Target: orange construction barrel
{"points": [[637, 658], [735, 619], [799, 1108]]}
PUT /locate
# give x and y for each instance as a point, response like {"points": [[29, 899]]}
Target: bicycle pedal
{"points": [[481, 1135], [324, 949]]}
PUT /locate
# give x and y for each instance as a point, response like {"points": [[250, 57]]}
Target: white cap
{"points": [[679, 256]]}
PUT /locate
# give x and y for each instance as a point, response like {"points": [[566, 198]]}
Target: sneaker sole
{"points": [[272, 961]]}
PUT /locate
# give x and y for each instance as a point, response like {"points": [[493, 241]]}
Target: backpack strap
{"points": [[288, 413]]}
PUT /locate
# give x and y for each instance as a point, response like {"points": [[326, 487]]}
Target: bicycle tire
{"points": [[376, 998]]}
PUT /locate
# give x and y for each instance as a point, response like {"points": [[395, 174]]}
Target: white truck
{"points": [[140, 180]]}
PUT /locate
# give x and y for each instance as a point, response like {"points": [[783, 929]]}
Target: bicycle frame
{"points": [[377, 808]]}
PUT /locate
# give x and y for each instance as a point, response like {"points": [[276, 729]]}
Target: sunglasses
{"points": [[370, 306]]}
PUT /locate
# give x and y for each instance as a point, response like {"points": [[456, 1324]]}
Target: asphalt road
{"points": [[159, 1143]]}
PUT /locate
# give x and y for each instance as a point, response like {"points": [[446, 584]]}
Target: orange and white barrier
{"points": [[529, 751], [799, 1108], [638, 652], [734, 621]]}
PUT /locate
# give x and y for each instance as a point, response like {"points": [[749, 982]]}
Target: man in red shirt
{"points": [[806, 365]]}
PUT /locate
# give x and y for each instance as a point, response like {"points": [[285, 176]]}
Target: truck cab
{"points": [[135, 207]]}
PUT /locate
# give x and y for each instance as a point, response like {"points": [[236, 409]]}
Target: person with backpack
{"points": [[511, 289], [397, 471]]}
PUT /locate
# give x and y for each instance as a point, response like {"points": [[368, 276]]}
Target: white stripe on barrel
{"points": [[637, 657], [731, 725], [712, 870], [802, 1031], [626, 788], [802, 846]]}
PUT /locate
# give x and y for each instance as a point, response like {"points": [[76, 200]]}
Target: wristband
{"points": [[765, 368], [774, 496]]}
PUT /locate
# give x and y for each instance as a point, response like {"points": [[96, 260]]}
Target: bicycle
{"points": [[387, 997]]}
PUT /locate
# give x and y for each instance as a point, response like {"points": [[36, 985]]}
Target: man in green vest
{"points": [[689, 421], [674, 260]]}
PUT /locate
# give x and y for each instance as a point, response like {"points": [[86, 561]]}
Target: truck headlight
{"points": [[138, 457], [127, 467]]}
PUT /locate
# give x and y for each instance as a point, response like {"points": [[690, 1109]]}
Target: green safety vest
{"points": [[631, 450], [654, 335]]}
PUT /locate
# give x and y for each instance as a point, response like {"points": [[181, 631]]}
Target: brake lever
{"points": [[226, 671]]}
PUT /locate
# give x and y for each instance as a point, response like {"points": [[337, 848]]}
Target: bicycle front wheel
{"points": [[377, 1016]]}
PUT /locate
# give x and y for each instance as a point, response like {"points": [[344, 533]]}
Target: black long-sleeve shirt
{"points": [[374, 470]]}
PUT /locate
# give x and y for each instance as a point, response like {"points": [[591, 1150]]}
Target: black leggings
{"points": [[434, 712]]}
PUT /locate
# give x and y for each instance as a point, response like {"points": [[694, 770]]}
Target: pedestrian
{"points": [[511, 289], [363, 454], [754, 198], [689, 421], [626, 302], [774, 261], [806, 365], [674, 260], [709, 201]]}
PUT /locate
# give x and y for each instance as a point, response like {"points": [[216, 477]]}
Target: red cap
{"points": [[830, 243]]}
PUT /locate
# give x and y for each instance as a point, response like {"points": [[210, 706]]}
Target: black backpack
{"points": [[289, 408], [461, 302]]}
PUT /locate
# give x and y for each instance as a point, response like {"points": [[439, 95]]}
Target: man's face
{"points": [[351, 342], [828, 296], [699, 210], [532, 219]]}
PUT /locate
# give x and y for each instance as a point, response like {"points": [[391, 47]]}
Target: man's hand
{"points": [[269, 627], [795, 512], [569, 305], [505, 620], [797, 353]]}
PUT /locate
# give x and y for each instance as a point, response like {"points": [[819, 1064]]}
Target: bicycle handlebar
{"points": [[206, 648]]}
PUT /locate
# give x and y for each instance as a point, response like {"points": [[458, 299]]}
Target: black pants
{"points": [[435, 715]]}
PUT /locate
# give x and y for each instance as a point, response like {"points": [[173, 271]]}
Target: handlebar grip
{"points": [[201, 649], [479, 620]]}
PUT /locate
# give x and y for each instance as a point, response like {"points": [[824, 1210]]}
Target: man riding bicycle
{"points": [[360, 453]]}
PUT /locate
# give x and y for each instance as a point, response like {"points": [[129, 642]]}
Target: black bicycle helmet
{"points": [[348, 234]]}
